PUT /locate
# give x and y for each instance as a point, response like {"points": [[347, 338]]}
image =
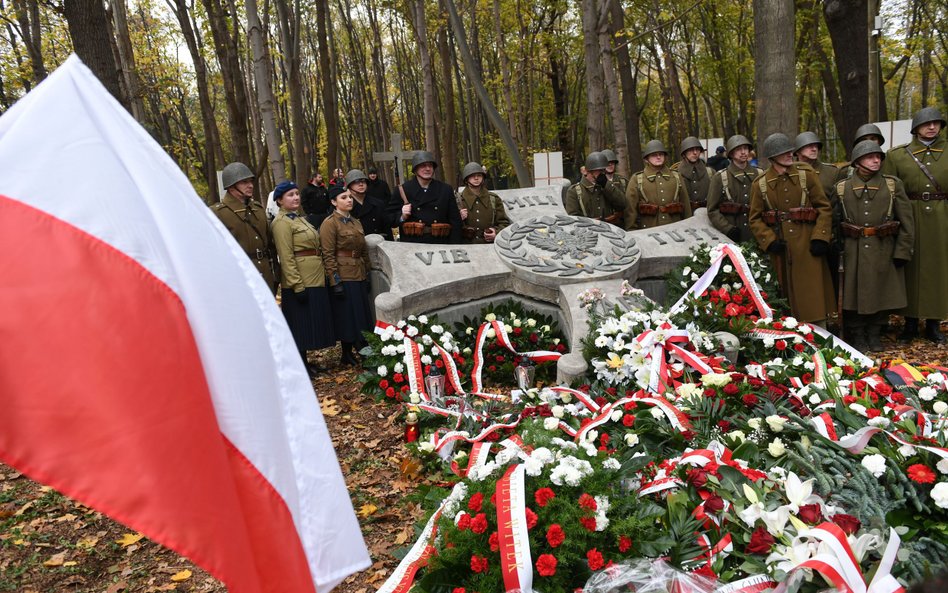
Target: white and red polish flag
{"points": [[145, 369]]}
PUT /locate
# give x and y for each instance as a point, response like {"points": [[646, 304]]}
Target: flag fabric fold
{"points": [[145, 369]]}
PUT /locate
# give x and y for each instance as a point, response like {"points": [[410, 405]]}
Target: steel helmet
{"points": [[355, 175], [737, 141], [689, 143], [471, 168], [610, 155], [928, 114], [596, 161], [866, 147], [868, 130], [806, 139], [652, 147], [776, 144], [421, 157], [235, 172]]}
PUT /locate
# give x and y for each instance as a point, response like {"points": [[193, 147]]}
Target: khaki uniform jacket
{"points": [[926, 276], [588, 199], [731, 185], [292, 233], [655, 186], [345, 253], [829, 175], [805, 279], [872, 283], [248, 224], [620, 182], [697, 180], [484, 210]]}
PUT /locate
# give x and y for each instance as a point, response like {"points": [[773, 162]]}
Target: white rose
{"points": [[414, 398], [611, 463], [942, 466], [737, 435], [551, 423], [423, 319], [927, 393], [907, 450], [426, 447], [381, 371], [616, 415], [875, 464], [531, 322], [545, 328], [775, 422], [491, 333], [656, 413], [566, 397], [755, 423], [940, 407], [508, 329], [727, 269], [776, 448], [516, 323], [490, 317], [940, 494], [557, 411], [631, 439], [469, 331]]}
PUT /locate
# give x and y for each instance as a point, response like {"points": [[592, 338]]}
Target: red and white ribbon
{"points": [[516, 564], [754, 584], [743, 271]]}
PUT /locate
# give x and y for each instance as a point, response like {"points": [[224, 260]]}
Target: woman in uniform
{"points": [[305, 300], [347, 267]]}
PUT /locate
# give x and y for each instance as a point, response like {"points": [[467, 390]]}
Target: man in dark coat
{"points": [[378, 188], [314, 202], [424, 209], [368, 209]]}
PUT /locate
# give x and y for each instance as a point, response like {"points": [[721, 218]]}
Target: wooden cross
{"points": [[396, 156]]}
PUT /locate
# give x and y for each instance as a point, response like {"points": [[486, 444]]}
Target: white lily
{"points": [[776, 520], [799, 493]]}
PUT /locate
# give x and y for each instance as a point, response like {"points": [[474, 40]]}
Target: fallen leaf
{"points": [[403, 535], [116, 587], [129, 539], [410, 468], [87, 543], [330, 407], [367, 509], [56, 559], [7, 510], [20, 542], [70, 563], [23, 508], [181, 576], [66, 517]]}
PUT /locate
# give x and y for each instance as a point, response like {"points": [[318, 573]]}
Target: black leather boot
{"points": [[910, 331], [348, 358], [874, 337], [933, 331]]}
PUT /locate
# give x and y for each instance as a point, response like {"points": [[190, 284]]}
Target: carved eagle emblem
{"points": [[576, 243]]}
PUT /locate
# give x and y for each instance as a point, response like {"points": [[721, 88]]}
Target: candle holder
{"points": [[524, 373], [434, 384], [411, 427]]}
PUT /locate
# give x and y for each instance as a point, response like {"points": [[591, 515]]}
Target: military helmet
{"points": [[610, 155], [471, 168], [596, 161], [776, 144], [235, 172], [926, 115], [866, 147], [736, 141], [868, 130], [421, 157], [806, 139], [652, 147], [355, 175], [689, 143]]}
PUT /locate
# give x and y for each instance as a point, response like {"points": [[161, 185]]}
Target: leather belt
{"points": [[305, 252], [927, 196], [345, 253]]}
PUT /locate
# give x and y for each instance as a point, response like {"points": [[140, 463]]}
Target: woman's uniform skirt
{"points": [[310, 322], [353, 314]]}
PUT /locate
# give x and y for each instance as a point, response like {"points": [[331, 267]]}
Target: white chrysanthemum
{"points": [[381, 371], [551, 423], [611, 463], [875, 464], [927, 393], [533, 467], [940, 407]]}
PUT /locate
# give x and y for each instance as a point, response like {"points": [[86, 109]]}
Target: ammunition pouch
{"points": [[413, 229], [675, 208], [469, 233], [853, 231], [803, 214], [440, 230], [733, 208], [615, 218], [646, 209]]}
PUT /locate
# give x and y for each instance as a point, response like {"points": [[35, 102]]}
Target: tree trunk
{"points": [[92, 43], [612, 88], [127, 59], [774, 78], [523, 176], [449, 160], [290, 32], [848, 29], [330, 107], [427, 75], [628, 80], [595, 90], [235, 95], [28, 17], [261, 72]]}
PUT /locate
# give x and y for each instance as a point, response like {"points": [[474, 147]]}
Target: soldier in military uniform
{"points": [[869, 132], [923, 168], [656, 194], [807, 149], [878, 230], [595, 196], [730, 190], [791, 219], [246, 219], [368, 209], [694, 173], [482, 211], [424, 208], [611, 174]]}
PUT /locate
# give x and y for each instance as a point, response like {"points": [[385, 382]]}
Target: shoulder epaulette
{"points": [[900, 146], [675, 166], [218, 205], [803, 167]]}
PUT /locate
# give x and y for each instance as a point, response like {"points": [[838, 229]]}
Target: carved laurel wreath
{"points": [[618, 252]]}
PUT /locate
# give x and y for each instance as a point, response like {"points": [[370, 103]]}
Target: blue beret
{"points": [[282, 188]]}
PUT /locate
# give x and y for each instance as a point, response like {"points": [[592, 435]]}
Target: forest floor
{"points": [[51, 544]]}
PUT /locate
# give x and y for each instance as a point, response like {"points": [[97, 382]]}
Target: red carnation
{"points": [[847, 523], [760, 543], [724, 425], [628, 420], [499, 358], [705, 571], [383, 384], [799, 346], [604, 438], [459, 590], [464, 522], [780, 345], [479, 523], [398, 378], [543, 496], [555, 535], [494, 542], [624, 544], [478, 564], [546, 565], [731, 389], [492, 368], [921, 474], [589, 523], [587, 502], [595, 559], [476, 502], [714, 504], [531, 518], [872, 413], [534, 338], [811, 514], [883, 389], [390, 392]]}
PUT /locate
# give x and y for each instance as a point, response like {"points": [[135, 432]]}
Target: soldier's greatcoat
{"points": [[484, 210], [588, 199], [872, 283], [804, 278], [731, 185], [248, 224], [926, 276], [660, 187], [697, 180]]}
